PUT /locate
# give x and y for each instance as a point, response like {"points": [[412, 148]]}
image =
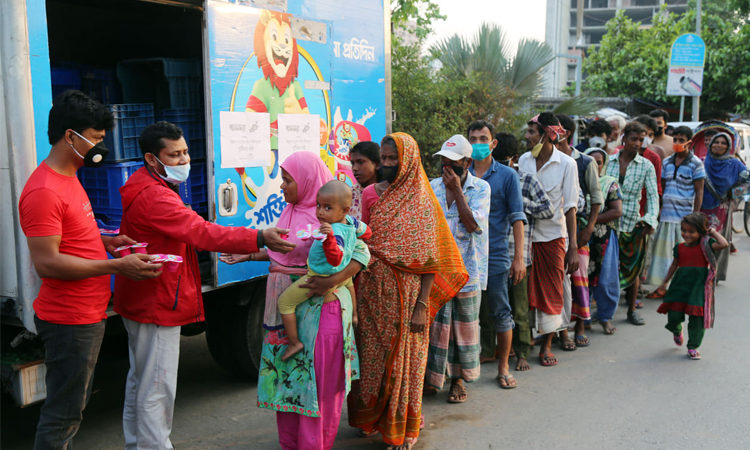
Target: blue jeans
{"points": [[496, 296], [70, 354]]}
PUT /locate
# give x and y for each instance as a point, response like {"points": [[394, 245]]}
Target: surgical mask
{"points": [[95, 156], [175, 174], [646, 142], [388, 173], [506, 162], [537, 148], [458, 170], [679, 148], [480, 151]]}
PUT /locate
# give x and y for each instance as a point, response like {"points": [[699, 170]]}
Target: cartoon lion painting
{"points": [[278, 57]]}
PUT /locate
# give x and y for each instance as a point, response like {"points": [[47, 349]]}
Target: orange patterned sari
{"points": [[410, 238]]}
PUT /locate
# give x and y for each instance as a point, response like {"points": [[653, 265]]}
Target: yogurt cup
{"points": [[139, 247], [125, 250], [170, 262]]}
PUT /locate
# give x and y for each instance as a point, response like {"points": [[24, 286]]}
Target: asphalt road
{"points": [[633, 390]]}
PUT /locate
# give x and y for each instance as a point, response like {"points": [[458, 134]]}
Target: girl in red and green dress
{"points": [[692, 291]]}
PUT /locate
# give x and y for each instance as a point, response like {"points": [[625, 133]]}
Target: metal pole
{"points": [[682, 106], [697, 99]]}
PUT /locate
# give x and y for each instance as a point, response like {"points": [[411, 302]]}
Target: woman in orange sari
{"points": [[414, 270]]}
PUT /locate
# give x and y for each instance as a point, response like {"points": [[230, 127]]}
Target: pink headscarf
{"points": [[310, 173]]}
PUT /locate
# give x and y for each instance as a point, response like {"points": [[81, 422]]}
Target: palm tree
{"points": [[488, 55]]}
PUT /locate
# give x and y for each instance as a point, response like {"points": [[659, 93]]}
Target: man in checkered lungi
{"points": [[454, 335]]}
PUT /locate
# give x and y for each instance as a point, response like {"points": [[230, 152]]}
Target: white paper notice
{"points": [[245, 139], [298, 133]]}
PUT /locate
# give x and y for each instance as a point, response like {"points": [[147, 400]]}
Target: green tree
{"points": [[424, 12], [439, 94], [633, 61]]}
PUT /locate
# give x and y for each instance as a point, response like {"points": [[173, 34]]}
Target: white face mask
{"points": [[175, 174], [646, 142]]}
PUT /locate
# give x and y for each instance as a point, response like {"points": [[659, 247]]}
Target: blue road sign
{"points": [[688, 50]]}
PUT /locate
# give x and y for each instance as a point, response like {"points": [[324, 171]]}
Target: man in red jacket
{"points": [[154, 310]]}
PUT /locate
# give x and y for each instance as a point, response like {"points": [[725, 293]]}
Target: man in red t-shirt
{"points": [[70, 256]]}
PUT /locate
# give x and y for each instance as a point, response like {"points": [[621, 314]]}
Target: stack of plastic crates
{"points": [[103, 188], [192, 122], [194, 191], [130, 120], [168, 83]]}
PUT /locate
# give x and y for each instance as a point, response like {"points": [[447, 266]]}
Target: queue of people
{"points": [[408, 283]]}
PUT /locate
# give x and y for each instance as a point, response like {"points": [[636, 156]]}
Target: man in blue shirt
{"points": [[506, 210]]}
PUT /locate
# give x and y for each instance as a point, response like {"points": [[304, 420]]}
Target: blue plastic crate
{"points": [[192, 122], [194, 191], [63, 79], [112, 219], [168, 83], [100, 84], [130, 120], [103, 185]]}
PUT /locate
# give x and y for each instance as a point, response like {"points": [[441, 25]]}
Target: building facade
{"points": [[561, 31]]}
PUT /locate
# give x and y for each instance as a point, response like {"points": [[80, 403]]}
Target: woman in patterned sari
{"points": [[415, 269]]}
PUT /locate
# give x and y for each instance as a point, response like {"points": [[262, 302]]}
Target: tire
{"points": [[248, 331], [218, 332], [234, 328], [738, 213], [747, 217]]}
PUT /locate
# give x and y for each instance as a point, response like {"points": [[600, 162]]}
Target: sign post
{"points": [[686, 61]]}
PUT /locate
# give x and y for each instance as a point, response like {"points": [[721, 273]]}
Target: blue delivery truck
{"points": [[249, 82]]}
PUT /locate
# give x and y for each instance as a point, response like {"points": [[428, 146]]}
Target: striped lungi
{"points": [[667, 235], [454, 341]]}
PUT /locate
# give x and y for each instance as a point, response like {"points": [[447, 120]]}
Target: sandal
{"points": [[363, 434], [507, 379], [568, 345], [429, 390], [582, 341], [544, 359], [658, 293], [455, 394], [638, 304], [678, 339], [693, 354]]}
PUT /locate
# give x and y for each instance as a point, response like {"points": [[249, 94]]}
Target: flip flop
{"points": [[547, 355], [454, 397], [658, 293], [507, 379], [678, 339], [694, 354], [638, 304], [429, 391], [580, 341], [362, 434], [568, 345]]}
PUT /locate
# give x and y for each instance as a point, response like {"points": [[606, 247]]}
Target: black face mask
{"points": [[458, 170], [388, 173], [659, 131], [96, 156]]}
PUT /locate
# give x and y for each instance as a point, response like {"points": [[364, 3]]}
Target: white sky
{"points": [[519, 18]]}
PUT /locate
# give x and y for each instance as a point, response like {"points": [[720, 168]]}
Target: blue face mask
{"points": [[175, 174], [480, 151]]}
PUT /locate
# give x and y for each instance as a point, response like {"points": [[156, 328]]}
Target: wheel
{"points": [[738, 213], [218, 333], [248, 331], [746, 220], [234, 332]]}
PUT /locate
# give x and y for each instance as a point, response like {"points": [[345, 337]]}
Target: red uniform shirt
{"points": [[53, 204]]}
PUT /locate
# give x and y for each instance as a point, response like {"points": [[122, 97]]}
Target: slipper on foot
{"points": [[678, 339], [694, 354], [658, 293], [582, 341], [543, 358], [568, 345], [507, 379], [638, 304]]}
